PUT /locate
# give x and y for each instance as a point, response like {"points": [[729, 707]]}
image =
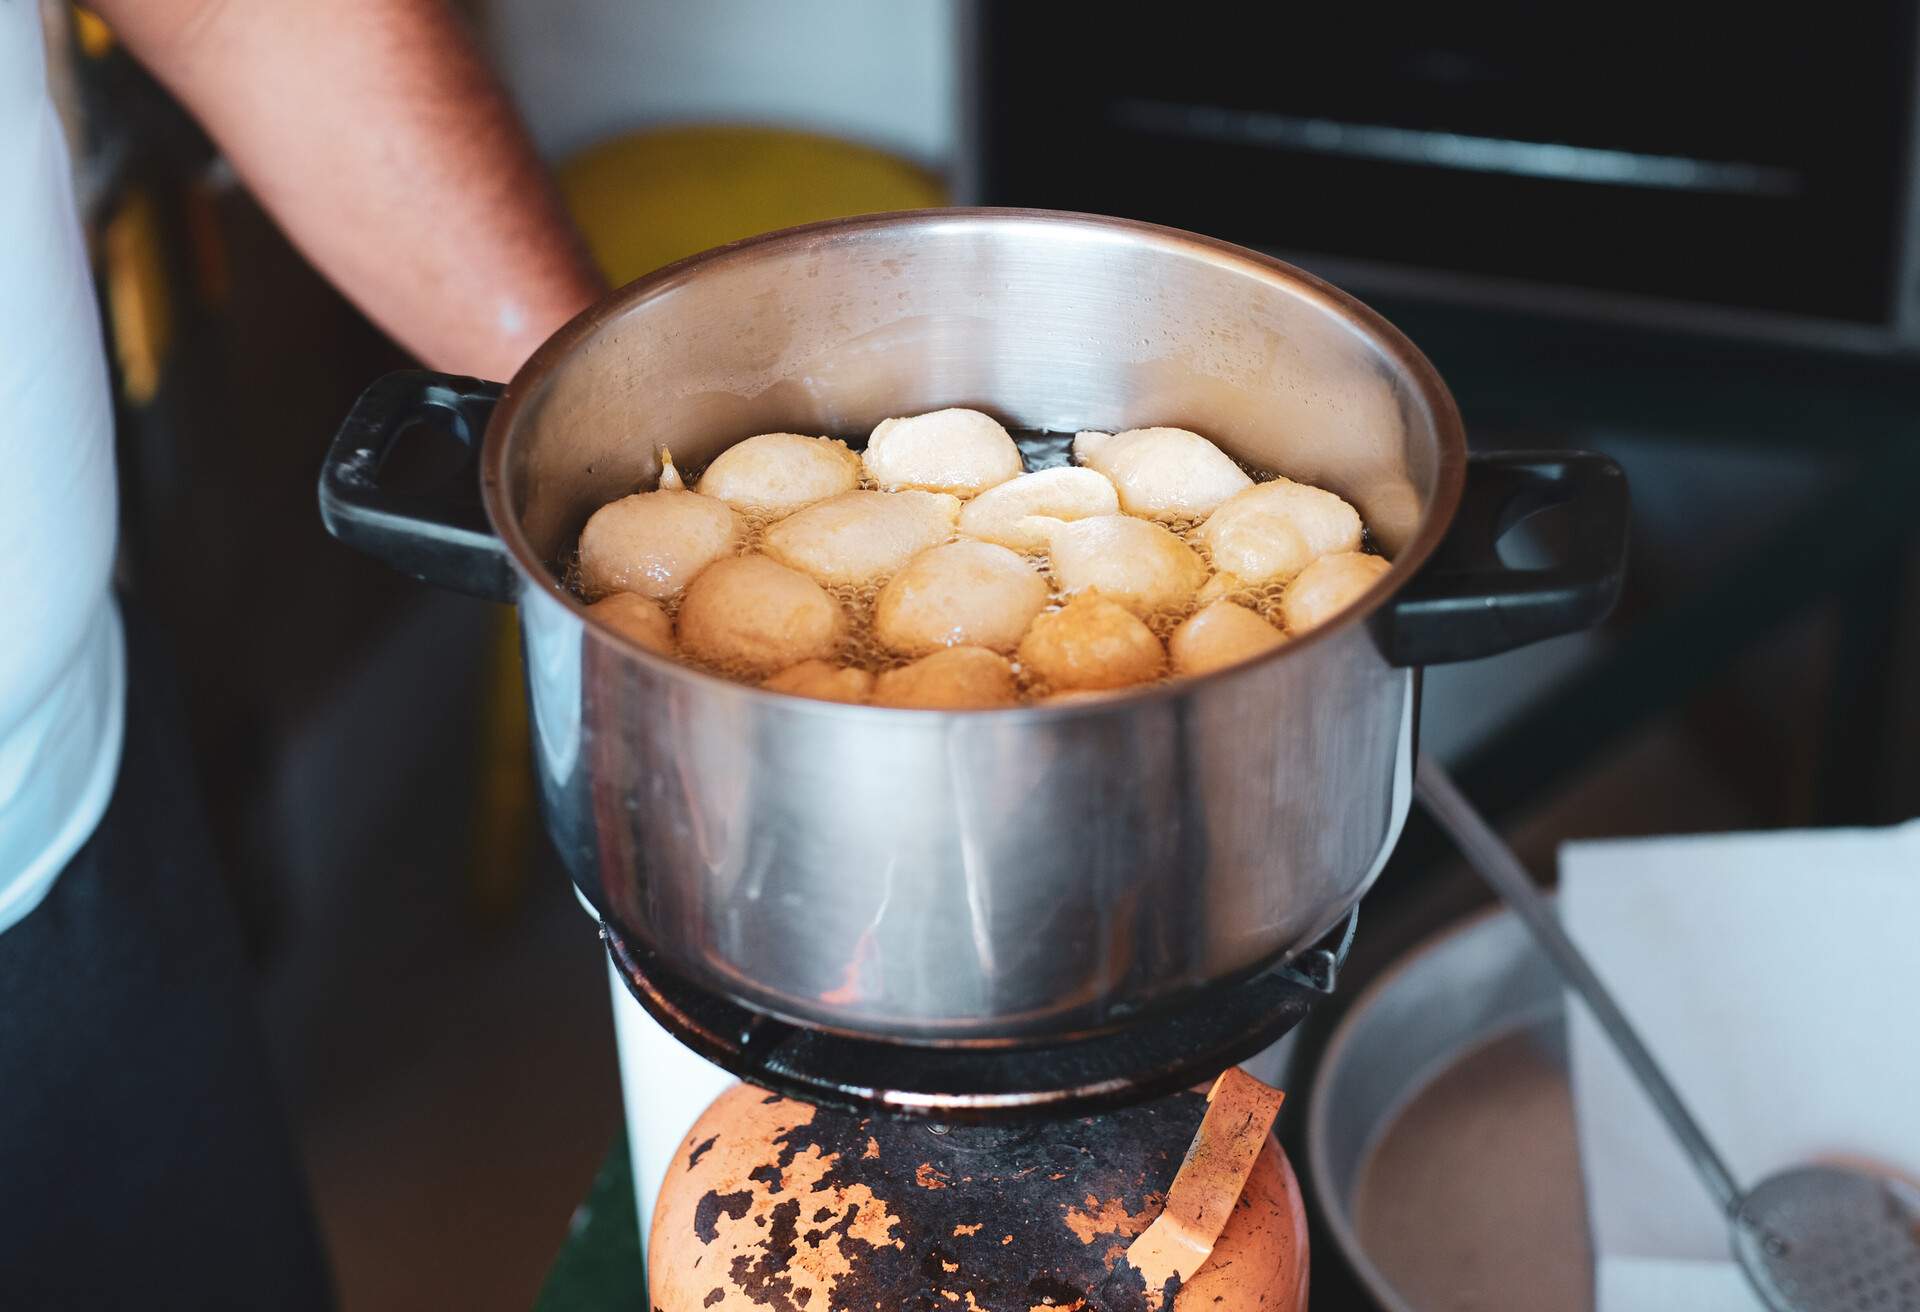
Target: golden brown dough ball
{"points": [[654, 543], [952, 679], [776, 474], [1021, 513], [636, 618], [858, 536], [1162, 473], [1220, 635], [958, 451], [960, 594], [1327, 587], [754, 614], [1131, 561], [823, 681], [1275, 529], [1091, 643]]}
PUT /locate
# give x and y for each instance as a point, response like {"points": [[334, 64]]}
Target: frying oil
{"points": [[861, 649]]}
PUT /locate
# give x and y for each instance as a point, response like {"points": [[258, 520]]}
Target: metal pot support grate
{"points": [[1182, 1045]]}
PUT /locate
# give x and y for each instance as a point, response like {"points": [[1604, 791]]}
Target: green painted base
{"points": [[600, 1265]]}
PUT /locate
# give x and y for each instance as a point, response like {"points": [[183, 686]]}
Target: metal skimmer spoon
{"points": [[1810, 1238]]}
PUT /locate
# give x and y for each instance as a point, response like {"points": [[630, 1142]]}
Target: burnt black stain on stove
{"points": [[712, 1206], [996, 1182], [767, 1279], [693, 1158], [843, 1227]]}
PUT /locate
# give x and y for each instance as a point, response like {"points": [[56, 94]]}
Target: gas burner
{"points": [[1166, 1051]]}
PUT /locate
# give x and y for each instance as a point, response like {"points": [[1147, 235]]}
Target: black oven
{"points": [[1748, 173]]}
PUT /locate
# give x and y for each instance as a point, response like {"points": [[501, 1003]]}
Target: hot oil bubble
{"points": [[754, 532]]}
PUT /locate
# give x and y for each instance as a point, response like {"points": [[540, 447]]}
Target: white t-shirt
{"points": [[62, 657]]}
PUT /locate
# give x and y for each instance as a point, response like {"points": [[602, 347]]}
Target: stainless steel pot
{"points": [[989, 876]]}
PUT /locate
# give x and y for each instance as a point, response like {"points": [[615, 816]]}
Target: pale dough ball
{"points": [[961, 594], [1091, 643], [1275, 529], [653, 543], [1218, 587], [1220, 635], [824, 681], [858, 536], [959, 451], [1006, 514], [778, 473], [1328, 586], [1255, 547], [1136, 563], [952, 679], [755, 614], [1163, 473], [636, 618]]}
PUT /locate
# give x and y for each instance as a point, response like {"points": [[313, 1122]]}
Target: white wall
{"points": [[877, 71]]}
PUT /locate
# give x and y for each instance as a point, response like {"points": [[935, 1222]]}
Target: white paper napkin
{"points": [[1776, 977]]}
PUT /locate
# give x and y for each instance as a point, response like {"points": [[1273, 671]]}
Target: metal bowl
{"points": [[1440, 1134]]}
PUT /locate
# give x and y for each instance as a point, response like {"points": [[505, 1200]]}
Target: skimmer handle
{"points": [[1496, 863]]}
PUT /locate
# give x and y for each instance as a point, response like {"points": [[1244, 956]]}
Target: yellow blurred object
{"points": [[651, 198], [138, 306], [644, 200], [94, 36]]}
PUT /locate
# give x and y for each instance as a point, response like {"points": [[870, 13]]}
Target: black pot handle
{"points": [[1465, 603], [439, 537]]}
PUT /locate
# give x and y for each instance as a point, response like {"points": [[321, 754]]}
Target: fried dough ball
{"points": [[1220, 635], [951, 679], [961, 594], [857, 536], [1273, 530], [1162, 473], [1131, 561], [755, 614], [823, 681], [1218, 587], [776, 474], [1006, 514], [1091, 643], [1328, 586], [636, 618], [653, 543], [958, 451]]}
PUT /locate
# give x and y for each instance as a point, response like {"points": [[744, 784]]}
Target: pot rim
{"points": [[1450, 477]]}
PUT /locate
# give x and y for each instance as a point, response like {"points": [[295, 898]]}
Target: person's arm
{"points": [[379, 140]]}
